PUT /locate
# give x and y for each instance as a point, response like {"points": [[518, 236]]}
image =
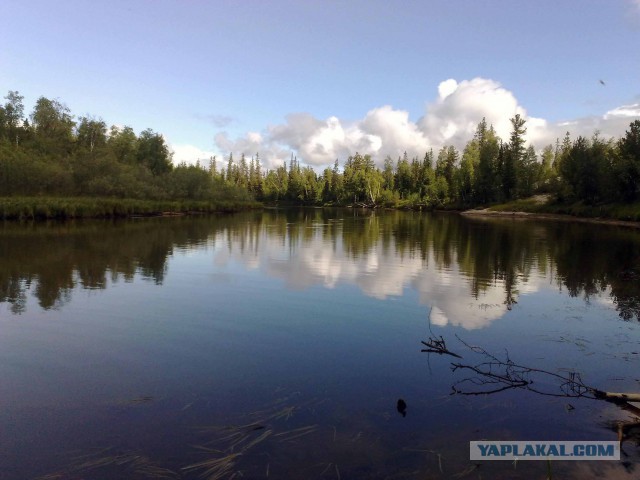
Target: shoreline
{"points": [[549, 216], [62, 208]]}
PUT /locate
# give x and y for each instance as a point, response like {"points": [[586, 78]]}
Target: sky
{"points": [[324, 79]]}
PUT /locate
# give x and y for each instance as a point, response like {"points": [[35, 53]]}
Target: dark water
{"points": [[277, 344]]}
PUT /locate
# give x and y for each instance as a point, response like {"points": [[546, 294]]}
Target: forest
{"points": [[489, 170], [51, 153]]}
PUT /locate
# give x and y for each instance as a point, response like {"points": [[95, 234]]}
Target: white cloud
{"points": [[612, 124], [624, 110], [190, 154], [324, 144], [396, 132], [447, 87], [320, 142], [383, 131], [450, 119]]}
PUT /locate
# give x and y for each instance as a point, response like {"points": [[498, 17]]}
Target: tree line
{"points": [[488, 170], [51, 153]]}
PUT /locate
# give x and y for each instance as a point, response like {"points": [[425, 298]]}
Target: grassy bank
{"points": [[27, 208], [609, 211]]}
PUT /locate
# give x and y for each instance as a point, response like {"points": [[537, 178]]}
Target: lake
{"points": [[277, 344]]}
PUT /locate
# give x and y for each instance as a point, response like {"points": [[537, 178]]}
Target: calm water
{"points": [[277, 344]]}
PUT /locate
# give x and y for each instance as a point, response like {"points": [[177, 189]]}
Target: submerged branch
{"points": [[494, 375], [437, 345]]}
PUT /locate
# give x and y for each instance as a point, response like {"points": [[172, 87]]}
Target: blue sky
{"points": [[324, 78]]}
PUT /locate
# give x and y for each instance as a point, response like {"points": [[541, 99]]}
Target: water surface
{"points": [[277, 343]]}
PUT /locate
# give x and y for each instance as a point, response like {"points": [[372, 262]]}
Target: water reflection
{"points": [[470, 271], [171, 333], [50, 260]]}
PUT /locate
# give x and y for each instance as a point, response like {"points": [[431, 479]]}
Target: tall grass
{"points": [[609, 211], [613, 211], [30, 208]]}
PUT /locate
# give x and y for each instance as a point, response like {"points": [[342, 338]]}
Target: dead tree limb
{"points": [[437, 345], [495, 374]]}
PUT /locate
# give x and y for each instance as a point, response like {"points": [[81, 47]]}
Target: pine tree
{"points": [[258, 184], [252, 174], [513, 158], [485, 187], [243, 172], [213, 167], [230, 176]]}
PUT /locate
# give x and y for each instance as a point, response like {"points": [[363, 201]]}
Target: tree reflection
{"points": [[51, 260], [380, 251]]}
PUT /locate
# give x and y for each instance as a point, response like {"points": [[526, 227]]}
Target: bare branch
{"points": [[496, 374], [437, 345]]}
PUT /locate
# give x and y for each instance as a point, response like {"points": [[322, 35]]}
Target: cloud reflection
{"points": [[311, 253], [467, 272]]}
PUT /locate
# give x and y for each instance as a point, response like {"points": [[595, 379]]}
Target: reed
{"points": [[38, 208], [215, 468], [125, 464]]}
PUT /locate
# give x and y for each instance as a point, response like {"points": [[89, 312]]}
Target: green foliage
{"points": [[123, 144], [530, 175], [153, 152], [91, 134], [189, 181], [55, 156], [11, 117], [547, 173], [466, 177], [530, 205], [485, 185], [612, 211], [626, 165], [403, 181], [440, 192]]}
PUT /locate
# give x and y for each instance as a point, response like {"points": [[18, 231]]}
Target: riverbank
{"points": [[624, 215], [33, 208]]}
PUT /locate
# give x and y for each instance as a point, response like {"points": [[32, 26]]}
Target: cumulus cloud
{"points": [[396, 132], [383, 131], [450, 119]]}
